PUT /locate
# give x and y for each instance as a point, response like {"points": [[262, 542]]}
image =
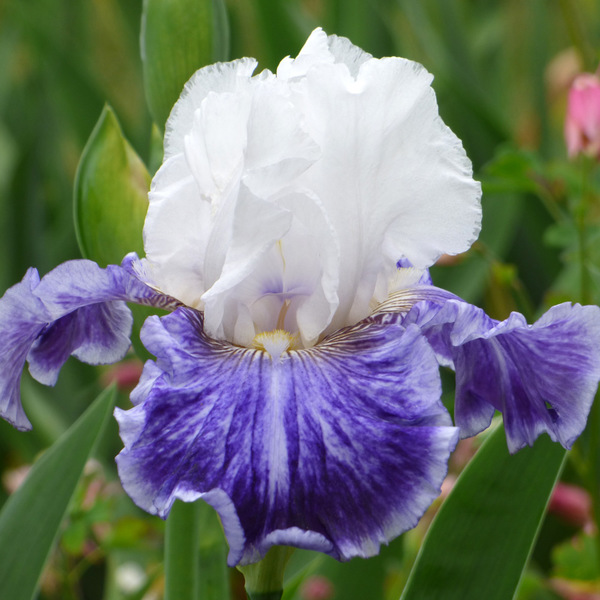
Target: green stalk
{"points": [[264, 579], [182, 552], [213, 573]]}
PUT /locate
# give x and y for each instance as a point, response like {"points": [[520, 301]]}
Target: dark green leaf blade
{"points": [[181, 552], [31, 518], [195, 554], [479, 542]]}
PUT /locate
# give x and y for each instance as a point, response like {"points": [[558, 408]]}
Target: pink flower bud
{"points": [[572, 503], [582, 125], [317, 587], [125, 375]]}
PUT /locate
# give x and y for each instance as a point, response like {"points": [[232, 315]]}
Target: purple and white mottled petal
{"points": [[338, 448], [78, 283], [542, 377], [22, 318], [76, 309], [87, 315], [97, 335], [420, 305]]}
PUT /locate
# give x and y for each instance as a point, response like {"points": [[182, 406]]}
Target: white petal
{"points": [[312, 259], [279, 147], [321, 49], [395, 182], [215, 146], [294, 276], [347, 53], [175, 232], [315, 51], [220, 77], [288, 201], [257, 226]]}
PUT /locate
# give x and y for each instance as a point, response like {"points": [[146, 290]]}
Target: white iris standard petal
{"points": [[286, 201], [395, 180]]}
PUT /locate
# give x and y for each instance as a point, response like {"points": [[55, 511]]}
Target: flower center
{"points": [[275, 342]]}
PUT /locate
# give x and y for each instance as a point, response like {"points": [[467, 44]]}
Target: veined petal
{"points": [[542, 377], [76, 309], [22, 318], [337, 448], [78, 283], [97, 334]]}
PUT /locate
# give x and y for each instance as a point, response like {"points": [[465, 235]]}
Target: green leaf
{"points": [[178, 37], [479, 542], [31, 518], [111, 195], [181, 552], [213, 571], [195, 554]]}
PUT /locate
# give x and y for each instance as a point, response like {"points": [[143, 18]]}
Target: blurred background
{"points": [[502, 72]]}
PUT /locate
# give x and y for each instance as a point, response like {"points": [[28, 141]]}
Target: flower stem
{"points": [[264, 579], [181, 552]]}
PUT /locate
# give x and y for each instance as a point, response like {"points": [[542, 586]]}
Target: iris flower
{"points": [[296, 385]]}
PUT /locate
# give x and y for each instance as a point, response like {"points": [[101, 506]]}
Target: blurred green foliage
{"points": [[502, 70]]}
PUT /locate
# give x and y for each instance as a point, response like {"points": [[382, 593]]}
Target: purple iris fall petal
{"points": [[76, 309], [542, 377], [21, 321], [337, 448], [97, 334]]}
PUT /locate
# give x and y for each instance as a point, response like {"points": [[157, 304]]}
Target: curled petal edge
{"points": [[542, 377], [76, 309]]}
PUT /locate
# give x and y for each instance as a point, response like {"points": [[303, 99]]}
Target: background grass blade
{"points": [[177, 38], [479, 543], [31, 518]]}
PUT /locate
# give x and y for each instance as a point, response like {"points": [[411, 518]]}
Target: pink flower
{"points": [[572, 503], [317, 587], [582, 125]]}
